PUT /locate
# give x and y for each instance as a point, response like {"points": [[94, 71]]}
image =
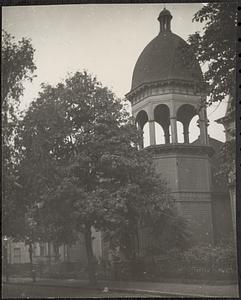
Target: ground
{"points": [[28, 291], [23, 287]]}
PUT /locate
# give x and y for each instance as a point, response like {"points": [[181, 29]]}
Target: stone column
{"points": [[173, 121], [203, 122], [186, 133], [140, 128], [152, 132], [166, 134]]}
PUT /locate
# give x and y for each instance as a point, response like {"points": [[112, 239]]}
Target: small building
{"points": [[47, 253]]}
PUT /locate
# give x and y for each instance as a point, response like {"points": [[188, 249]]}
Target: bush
{"points": [[60, 270], [200, 262], [122, 269], [21, 269], [207, 259]]}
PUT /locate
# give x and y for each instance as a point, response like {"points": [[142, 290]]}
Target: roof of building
{"points": [[163, 58]]}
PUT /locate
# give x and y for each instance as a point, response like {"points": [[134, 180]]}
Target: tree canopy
{"points": [[216, 47], [17, 67], [82, 164]]}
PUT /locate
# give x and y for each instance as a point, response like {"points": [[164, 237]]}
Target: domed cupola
{"points": [[167, 86], [166, 95], [163, 59]]}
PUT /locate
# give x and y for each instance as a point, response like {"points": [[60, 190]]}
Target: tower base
{"points": [[186, 168]]}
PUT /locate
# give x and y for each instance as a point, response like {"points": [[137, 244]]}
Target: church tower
{"points": [[166, 89]]}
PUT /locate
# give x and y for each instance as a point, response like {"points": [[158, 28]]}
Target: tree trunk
{"points": [[33, 271], [56, 252], [90, 255], [137, 242], [30, 250], [49, 255]]}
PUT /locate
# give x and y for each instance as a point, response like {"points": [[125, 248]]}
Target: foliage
{"points": [[228, 151], [160, 230], [140, 200], [17, 67], [217, 259], [215, 47], [204, 262], [63, 134], [170, 232], [199, 262], [81, 163], [227, 155]]}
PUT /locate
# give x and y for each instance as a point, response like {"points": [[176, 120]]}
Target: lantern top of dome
{"points": [[163, 58]]}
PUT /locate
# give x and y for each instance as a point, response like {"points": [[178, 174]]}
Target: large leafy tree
{"points": [[215, 47], [17, 67], [82, 164]]}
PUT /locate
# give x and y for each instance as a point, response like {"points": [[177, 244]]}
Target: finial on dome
{"points": [[165, 20]]}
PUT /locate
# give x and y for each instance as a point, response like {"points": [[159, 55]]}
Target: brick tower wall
{"points": [[188, 177]]}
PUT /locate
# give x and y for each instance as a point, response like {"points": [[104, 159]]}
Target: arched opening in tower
{"points": [[194, 129], [162, 118], [146, 135], [160, 135], [185, 115], [180, 132], [142, 124]]}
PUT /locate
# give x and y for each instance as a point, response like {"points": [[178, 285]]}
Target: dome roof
{"points": [[163, 58]]}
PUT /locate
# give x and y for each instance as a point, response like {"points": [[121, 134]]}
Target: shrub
{"points": [[199, 262], [218, 259]]}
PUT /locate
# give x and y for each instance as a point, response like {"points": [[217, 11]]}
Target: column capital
{"points": [[150, 111]]}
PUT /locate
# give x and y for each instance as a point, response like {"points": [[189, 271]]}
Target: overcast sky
{"points": [[102, 38]]}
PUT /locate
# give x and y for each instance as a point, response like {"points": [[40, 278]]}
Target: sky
{"points": [[105, 39]]}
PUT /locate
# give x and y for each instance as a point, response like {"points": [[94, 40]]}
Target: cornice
{"points": [[196, 86], [181, 149]]}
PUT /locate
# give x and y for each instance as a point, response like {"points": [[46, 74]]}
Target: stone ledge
{"points": [[181, 148]]}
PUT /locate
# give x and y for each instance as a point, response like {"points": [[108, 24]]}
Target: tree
{"points": [[81, 161], [17, 67], [216, 48]]}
